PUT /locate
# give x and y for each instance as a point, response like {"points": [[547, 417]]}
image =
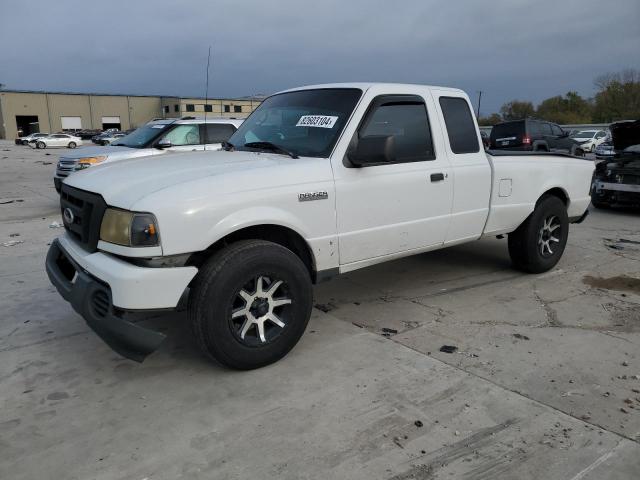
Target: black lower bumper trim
{"points": [[92, 300], [579, 219]]}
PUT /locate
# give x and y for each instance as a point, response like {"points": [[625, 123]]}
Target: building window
{"points": [[166, 109], [227, 108], [208, 108], [191, 107], [237, 108], [176, 108]]}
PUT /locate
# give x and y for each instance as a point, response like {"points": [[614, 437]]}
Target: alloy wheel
{"points": [[548, 235]]}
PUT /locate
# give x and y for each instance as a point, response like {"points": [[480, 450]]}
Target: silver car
{"points": [[155, 138]]}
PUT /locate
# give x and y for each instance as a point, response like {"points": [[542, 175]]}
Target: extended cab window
{"points": [[557, 131], [219, 132], [463, 136], [401, 123], [187, 134]]}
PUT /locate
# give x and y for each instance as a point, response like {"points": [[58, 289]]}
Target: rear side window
{"points": [[546, 129], [463, 136], [219, 132]]}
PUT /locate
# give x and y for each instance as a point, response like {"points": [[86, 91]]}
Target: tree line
{"points": [[617, 98]]}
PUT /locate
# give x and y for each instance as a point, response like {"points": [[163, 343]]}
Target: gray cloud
{"points": [[507, 48]]}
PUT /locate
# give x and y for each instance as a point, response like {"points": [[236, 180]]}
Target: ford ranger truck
{"points": [[318, 181]]}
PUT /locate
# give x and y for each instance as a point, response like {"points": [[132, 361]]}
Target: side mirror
{"points": [[373, 150], [163, 143]]}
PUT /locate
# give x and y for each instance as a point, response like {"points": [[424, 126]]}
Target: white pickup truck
{"points": [[318, 181]]}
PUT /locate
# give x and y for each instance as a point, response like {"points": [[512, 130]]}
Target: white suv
{"points": [[156, 137]]}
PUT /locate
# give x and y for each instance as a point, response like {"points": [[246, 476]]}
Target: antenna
{"points": [[206, 99]]}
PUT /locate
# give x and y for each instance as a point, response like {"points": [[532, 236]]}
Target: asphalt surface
{"points": [[544, 382]]}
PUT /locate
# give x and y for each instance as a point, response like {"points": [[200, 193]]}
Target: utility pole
{"points": [[479, 100]]}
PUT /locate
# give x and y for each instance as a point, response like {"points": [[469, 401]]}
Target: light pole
{"points": [[479, 100]]}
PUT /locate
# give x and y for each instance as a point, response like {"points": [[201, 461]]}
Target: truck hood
{"points": [[625, 134], [123, 183]]}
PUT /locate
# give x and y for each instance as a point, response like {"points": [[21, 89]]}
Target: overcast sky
{"points": [[510, 49]]}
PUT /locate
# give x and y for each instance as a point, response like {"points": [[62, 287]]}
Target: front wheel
{"points": [[538, 243], [250, 304], [72, 145]]}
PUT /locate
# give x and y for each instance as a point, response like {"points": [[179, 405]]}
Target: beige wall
{"points": [[68, 106], [218, 107], [22, 104], [143, 109], [133, 111]]}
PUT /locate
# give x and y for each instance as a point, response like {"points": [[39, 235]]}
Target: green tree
{"points": [[517, 110], [571, 108], [618, 96], [490, 120]]}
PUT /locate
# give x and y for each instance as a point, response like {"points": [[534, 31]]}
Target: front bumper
{"points": [[620, 193], [100, 286]]}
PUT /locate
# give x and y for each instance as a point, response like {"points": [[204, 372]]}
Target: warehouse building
{"points": [[23, 112]]}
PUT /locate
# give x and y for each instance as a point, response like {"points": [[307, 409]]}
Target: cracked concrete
{"points": [[545, 365]]}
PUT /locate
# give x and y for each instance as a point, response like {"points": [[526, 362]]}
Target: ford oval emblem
{"points": [[68, 216]]}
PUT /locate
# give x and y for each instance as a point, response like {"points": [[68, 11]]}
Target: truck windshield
{"points": [[141, 137], [306, 123]]}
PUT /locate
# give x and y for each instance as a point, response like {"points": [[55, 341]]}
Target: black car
{"points": [[616, 181], [532, 135], [88, 134]]}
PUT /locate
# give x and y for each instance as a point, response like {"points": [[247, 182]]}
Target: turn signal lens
{"points": [[86, 162]]}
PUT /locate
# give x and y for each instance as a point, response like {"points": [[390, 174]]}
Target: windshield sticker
{"points": [[157, 126], [318, 121]]}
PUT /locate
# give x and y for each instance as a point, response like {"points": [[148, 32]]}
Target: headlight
{"points": [[86, 162], [130, 229]]}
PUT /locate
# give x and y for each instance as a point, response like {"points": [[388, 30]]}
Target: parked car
{"points": [[28, 138], [318, 181], [532, 135], [106, 134], [108, 138], [155, 138], [58, 140], [589, 139], [486, 142], [88, 134], [616, 180], [605, 150]]}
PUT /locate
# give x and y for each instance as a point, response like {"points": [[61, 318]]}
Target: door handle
{"points": [[437, 177]]}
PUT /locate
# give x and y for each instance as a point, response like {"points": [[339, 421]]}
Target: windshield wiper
{"points": [[272, 147], [228, 146]]}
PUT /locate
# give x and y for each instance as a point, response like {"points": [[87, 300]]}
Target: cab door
{"points": [[398, 197]]}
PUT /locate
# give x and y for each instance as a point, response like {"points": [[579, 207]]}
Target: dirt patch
{"points": [[621, 283]]}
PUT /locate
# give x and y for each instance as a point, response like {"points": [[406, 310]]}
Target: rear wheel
{"points": [[72, 145], [41, 145], [250, 304], [537, 245]]}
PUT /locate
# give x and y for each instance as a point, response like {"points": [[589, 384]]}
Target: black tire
{"points": [[541, 148], [25, 142], [527, 247], [41, 145], [72, 145], [218, 292]]}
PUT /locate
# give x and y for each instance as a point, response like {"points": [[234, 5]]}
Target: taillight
{"points": [[526, 140]]}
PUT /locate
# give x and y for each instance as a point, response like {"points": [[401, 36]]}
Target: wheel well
{"points": [[556, 192], [273, 233]]}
